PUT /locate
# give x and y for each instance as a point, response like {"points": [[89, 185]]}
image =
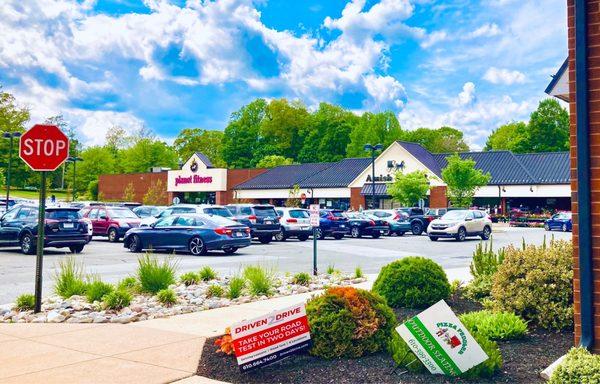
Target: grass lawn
{"points": [[24, 194]]}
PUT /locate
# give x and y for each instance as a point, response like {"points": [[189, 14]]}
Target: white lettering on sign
{"points": [[41, 147]]}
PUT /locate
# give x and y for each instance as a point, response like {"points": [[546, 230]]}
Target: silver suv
{"points": [[295, 222], [459, 224]]}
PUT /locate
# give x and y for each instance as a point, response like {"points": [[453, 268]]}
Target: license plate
{"points": [[342, 226], [238, 234], [68, 225], [304, 228], [268, 222]]}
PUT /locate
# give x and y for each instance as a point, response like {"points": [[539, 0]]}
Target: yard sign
{"points": [[441, 341], [270, 338]]}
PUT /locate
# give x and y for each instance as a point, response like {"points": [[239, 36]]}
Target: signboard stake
{"points": [[39, 261]]}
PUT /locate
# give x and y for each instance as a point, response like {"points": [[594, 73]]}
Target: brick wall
{"points": [[112, 187], [437, 197], [356, 199], [594, 139], [238, 176]]}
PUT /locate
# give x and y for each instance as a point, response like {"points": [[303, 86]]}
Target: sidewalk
{"points": [[154, 351]]}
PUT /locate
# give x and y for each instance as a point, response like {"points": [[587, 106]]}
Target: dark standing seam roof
{"points": [[285, 176], [380, 189], [204, 159], [547, 167], [338, 175], [423, 155]]}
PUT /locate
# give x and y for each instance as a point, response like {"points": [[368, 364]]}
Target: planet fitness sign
{"points": [[194, 179], [270, 338], [441, 341]]}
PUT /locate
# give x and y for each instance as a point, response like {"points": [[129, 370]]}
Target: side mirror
{"points": [[468, 219]]}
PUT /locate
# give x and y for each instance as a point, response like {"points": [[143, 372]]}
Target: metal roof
{"points": [[380, 189], [284, 176], [204, 159], [337, 175], [547, 167], [424, 156]]}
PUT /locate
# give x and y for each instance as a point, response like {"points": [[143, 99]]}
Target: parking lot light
{"points": [[10, 136], [74, 160], [373, 149]]}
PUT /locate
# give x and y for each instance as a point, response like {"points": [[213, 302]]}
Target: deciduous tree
{"points": [[463, 180], [409, 188], [373, 128], [511, 137], [191, 140], [240, 140], [548, 128], [273, 161]]}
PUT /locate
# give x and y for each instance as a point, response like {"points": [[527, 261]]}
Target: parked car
{"points": [[260, 218], [436, 213], [64, 227], [148, 210], [363, 224], [459, 224], [208, 209], [109, 221], [191, 233], [11, 203], [295, 222], [561, 220], [332, 222], [397, 221], [417, 218]]}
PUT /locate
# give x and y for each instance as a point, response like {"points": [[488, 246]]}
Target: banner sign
{"points": [[441, 341], [270, 338]]}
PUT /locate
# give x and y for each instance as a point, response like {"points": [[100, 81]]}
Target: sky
{"points": [[169, 65]]}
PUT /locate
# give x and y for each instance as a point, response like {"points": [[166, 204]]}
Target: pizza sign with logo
{"points": [[441, 341]]}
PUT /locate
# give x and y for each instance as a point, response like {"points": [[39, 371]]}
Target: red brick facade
{"points": [[356, 199], [437, 197]]}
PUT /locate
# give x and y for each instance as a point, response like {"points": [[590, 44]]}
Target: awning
{"points": [[380, 190]]}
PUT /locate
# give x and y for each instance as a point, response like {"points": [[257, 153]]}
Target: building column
{"points": [[221, 198], [437, 197], [356, 199]]}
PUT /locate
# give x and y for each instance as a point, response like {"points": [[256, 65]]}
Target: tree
{"points": [[93, 189], [156, 195], [373, 128], [240, 140], [463, 180], [96, 161], [273, 161], [147, 153], [129, 193], [281, 131], [117, 138], [548, 128], [510, 137], [409, 188], [192, 140], [441, 140], [293, 200]]}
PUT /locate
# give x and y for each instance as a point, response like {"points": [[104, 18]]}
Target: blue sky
{"points": [[171, 65]]}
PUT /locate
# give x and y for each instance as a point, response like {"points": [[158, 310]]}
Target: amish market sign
{"points": [[380, 178]]}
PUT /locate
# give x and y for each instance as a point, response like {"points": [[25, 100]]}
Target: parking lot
{"points": [[113, 262]]}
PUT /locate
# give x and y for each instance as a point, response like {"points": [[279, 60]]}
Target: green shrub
{"points": [[166, 297], [349, 322], [69, 280], [495, 325], [260, 281], [483, 267], [536, 283], [455, 286], [189, 278], [215, 290], [301, 278], [129, 283], [25, 302], [117, 299], [154, 276], [579, 367], [207, 273], [96, 290], [236, 286], [358, 273], [330, 269], [414, 282], [479, 289]]}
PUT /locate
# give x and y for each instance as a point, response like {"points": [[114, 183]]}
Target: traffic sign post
{"points": [[44, 148], [314, 222]]}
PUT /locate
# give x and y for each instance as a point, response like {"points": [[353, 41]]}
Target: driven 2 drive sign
{"points": [[441, 341], [270, 338]]}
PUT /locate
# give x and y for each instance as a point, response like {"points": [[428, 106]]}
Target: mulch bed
{"points": [[523, 361]]}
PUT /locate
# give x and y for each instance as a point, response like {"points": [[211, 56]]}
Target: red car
{"points": [[112, 222]]}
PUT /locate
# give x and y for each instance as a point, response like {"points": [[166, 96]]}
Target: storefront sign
{"points": [[314, 215], [380, 178], [194, 179], [441, 341], [270, 338]]}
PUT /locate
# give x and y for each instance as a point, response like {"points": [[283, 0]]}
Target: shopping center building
{"points": [[536, 181]]}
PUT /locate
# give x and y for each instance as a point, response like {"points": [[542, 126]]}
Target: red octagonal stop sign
{"points": [[44, 147]]}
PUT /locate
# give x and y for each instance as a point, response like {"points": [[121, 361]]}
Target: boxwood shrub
{"points": [[579, 367], [414, 282], [349, 322]]}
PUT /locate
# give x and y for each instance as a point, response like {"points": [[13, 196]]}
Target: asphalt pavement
{"points": [[113, 262]]}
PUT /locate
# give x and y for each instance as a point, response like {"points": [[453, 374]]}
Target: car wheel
{"points": [[416, 228], [303, 237], [196, 246], [461, 235], [400, 233], [27, 245], [319, 233], [265, 239], [355, 232], [135, 244], [280, 236], [76, 248], [564, 228], [546, 227], [376, 235], [338, 236], [230, 250], [113, 236], [487, 231], [433, 238]]}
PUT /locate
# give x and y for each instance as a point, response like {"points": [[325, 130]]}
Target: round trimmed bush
{"points": [[414, 282], [349, 322]]}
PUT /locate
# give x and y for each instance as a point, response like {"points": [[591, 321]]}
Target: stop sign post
{"points": [[44, 148]]}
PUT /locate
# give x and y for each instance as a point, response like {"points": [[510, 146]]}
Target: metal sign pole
{"points": [[314, 222], [315, 251], [40, 244]]}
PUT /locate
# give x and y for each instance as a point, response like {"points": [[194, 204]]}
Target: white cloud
{"points": [[434, 38], [385, 91], [503, 76], [486, 30], [467, 96]]}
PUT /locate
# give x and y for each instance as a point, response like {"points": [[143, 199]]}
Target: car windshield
{"points": [[122, 214], [63, 214], [454, 215], [299, 214], [264, 212], [219, 211]]}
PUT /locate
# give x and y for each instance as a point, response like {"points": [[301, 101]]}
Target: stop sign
{"points": [[44, 147]]}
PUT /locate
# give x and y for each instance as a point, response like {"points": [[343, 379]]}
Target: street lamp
{"points": [[373, 149], [74, 160], [10, 136]]}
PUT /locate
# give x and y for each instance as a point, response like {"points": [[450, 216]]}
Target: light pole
{"points": [[373, 149], [74, 160], [10, 136]]}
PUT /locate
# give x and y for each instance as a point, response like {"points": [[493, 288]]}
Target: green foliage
{"points": [[260, 281], [483, 267], [25, 302], [537, 283], [349, 322], [408, 189], [154, 275], [166, 297], [441, 140], [463, 180], [207, 142], [236, 287], [129, 193], [117, 299], [189, 278], [93, 189], [207, 273], [480, 288], [146, 153], [156, 194], [358, 273], [272, 161], [414, 282], [548, 129], [579, 367], [373, 128], [330, 269], [69, 279], [215, 290], [509, 137], [301, 278], [293, 199], [96, 289], [129, 283], [241, 136], [455, 286], [495, 325]]}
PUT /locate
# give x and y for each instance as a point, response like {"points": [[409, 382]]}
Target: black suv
{"points": [[262, 219], [64, 228]]}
